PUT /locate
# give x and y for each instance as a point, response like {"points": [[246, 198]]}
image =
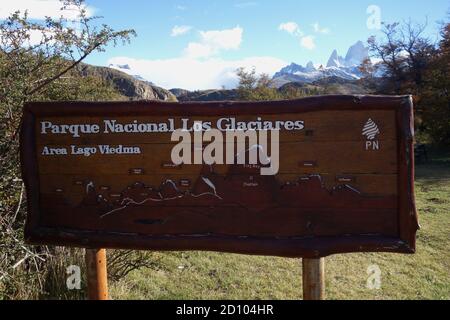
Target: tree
{"points": [[436, 94], [255, 88], [413, 65], [368, 70], [405, 53], [35, 54], [39, 61]]}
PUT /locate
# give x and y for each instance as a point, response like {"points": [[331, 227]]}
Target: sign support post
{"points": [[313, 279], [97, 277]]}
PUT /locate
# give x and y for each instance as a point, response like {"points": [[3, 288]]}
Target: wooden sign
{"points": [[101, 175]]}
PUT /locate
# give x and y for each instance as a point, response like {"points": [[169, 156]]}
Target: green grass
{"points": [[205, 275]]}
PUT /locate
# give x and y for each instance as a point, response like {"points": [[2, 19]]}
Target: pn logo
{"points": [[371, 131]]}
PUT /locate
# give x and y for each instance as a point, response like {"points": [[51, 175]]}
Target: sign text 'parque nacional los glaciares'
{"points": [[113, 126]]}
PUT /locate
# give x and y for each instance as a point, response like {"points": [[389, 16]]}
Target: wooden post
{"points": [[313, 279], [97, 276]]}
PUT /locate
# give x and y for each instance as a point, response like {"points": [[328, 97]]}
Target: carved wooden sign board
{"points": [[101, 175]]}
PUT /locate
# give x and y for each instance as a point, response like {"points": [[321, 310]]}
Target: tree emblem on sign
{"points": [[370, 130]]}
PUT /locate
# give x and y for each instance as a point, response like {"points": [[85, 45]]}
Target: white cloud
{"points": [[223, 39], [37, 36], [294, 29], [319, 29], [212, 42], [39, 9], [307, 42], [180, 30], [196, 50], [196, 74], [199, 67], [290, 27], [180, 7]]}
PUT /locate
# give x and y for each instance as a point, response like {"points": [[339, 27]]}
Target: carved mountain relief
{"points": [[241, 202]]}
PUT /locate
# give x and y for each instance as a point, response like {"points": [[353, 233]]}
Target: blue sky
{"points": [[188, 36], [260, 19]]}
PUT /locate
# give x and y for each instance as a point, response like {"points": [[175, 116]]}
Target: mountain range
{"points": [[341, 75], [337, 66]]}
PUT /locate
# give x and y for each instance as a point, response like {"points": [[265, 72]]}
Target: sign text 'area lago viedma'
{"points": [[103, 175]]}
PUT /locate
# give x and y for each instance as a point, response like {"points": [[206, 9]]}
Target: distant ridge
{"points": [[337, 66], [128, 86]]}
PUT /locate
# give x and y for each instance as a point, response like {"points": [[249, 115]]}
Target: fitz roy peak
{"points": [[335, 60], [356, 54], [337, 66]]}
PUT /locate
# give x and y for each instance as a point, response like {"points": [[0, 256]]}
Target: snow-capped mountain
{"points": [[356, 54], [336, 61], [337, 66]]}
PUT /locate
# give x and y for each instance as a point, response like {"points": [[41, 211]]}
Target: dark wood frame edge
{"points": [[294, 247]]}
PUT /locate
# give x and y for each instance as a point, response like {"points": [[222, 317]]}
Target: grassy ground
{"points": [[204, 275]]}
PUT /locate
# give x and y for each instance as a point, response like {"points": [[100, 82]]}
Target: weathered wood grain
{"points": [[222, 221]]}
